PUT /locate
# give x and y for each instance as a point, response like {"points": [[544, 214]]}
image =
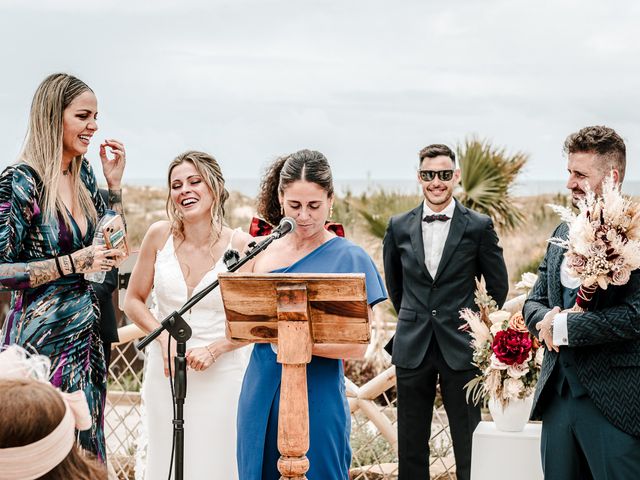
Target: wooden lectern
{"points": [[295, 311]]}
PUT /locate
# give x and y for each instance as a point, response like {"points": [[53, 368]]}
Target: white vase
{"points": [[514, 416]]}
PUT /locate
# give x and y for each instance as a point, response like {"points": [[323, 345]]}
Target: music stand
{"points": [[295, 311]]}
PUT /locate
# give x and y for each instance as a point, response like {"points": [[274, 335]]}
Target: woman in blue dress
{"points": [[49, 206], [300, 186]]}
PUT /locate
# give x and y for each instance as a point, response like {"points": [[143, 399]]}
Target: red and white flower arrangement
{"points": [[504, 351]]}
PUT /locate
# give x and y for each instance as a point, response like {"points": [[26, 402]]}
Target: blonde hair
{"points": [[43, 145], [209, 169]]}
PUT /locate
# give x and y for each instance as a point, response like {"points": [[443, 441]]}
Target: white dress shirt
{"points": [[434, 236], [560, 328]]}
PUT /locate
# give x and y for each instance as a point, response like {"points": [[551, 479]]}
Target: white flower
{"points": [[495, 328], [519, 370], [527, 281], [497, 364], [512, 388], [499, 317]]}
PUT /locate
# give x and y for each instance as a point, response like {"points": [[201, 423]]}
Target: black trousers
{"points": [[579, 443], [416, 395]]}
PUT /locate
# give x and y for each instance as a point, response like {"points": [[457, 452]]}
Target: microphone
{"points": [[230, 258], [287, 225]]}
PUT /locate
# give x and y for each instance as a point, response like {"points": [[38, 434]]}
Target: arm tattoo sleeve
{"points": [[41, 272]]}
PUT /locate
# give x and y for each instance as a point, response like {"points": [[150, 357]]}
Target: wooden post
{"points": [[294, 352]]}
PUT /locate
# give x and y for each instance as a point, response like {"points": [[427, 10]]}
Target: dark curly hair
{"points": [[307, 165], [604, 142], [436, 150]]}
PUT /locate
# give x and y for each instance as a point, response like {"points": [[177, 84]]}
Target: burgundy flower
{"points": [[511, 347]]}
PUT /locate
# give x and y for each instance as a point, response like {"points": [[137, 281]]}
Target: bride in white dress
{"points": [[178, 258]]}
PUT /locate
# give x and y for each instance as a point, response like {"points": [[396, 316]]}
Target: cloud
{"points": [[368, 83]]}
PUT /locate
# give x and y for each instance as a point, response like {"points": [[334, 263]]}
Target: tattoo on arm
{"points": [[66, 264], [42, 272], [115, 203], [83, 260], [14, 276]]}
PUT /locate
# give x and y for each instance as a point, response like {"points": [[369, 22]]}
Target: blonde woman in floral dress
{"points": [[49, 208]]}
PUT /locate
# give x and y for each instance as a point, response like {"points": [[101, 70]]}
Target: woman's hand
{"points": [[97, 258], [113, 168], [163, 339], [201, 358]]}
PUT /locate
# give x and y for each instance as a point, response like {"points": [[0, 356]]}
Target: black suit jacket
{"points": [[605, 341], [430, 306]]}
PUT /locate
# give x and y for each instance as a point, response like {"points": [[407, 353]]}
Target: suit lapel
{"points": [[456, 232], [553, 269], [415, 229]]}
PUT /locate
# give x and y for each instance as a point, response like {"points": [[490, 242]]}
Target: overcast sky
{"points": [[368, 83]]}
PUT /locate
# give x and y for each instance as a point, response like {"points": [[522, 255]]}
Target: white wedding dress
{"points": [[212, 394]]}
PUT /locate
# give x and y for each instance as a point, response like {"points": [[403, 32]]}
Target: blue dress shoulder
{"points": [[329, 416], [58, 319]]}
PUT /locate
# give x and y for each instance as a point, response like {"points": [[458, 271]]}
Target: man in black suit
{"points": [[432, 256], [588, 393]]}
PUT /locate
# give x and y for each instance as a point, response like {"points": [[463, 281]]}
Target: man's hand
{"points": [[544, 327]]}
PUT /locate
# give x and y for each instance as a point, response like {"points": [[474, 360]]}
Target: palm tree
{"points": [[487, 174], [379, 206]]}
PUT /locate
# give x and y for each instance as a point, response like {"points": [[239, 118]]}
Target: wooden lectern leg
{"points": [[294, 420], [294, 352]]}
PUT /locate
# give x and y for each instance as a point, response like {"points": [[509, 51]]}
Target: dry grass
{"points": [[525, 247]]}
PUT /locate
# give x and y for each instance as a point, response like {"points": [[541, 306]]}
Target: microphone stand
{"points": [[180, 330]]}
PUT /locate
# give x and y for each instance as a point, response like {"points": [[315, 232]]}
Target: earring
{"points": [[331, 211], [281, 210]]}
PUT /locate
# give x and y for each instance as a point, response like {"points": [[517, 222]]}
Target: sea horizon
{"points": [[526, 188]]}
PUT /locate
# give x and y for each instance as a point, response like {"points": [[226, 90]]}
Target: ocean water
{"points": [[249, 186]]}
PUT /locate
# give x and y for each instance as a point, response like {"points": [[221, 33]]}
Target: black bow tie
{"points": [[440, 217]]}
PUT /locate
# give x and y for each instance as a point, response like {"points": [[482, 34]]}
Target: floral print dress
{"points": [[58, 319]]}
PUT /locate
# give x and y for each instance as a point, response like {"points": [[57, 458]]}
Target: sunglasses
{"points": [[428, 175]]}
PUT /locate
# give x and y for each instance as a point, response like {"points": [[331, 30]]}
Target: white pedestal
{"points": [[500, 455]]}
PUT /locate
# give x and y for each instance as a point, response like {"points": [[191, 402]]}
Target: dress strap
{"points": [[167, 242]]}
